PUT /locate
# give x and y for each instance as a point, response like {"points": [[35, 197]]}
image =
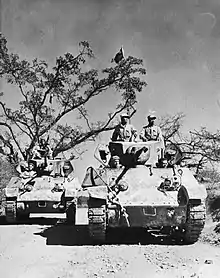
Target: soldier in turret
{"points": [[151, 132], [124, 131], [42, 150]]}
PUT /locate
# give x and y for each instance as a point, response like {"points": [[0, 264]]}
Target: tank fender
{"points": [[194, 189], [12, 189], [14, 182], [11, 192], [182, 196], [197, 193], [98, 192], [72, 187]]}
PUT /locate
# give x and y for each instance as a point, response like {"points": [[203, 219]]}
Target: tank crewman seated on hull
{"points": [[124, 131], [27, 171]]}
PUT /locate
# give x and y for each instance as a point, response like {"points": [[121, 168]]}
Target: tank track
{"points": [[71, 213], [11, 211], [97, 220], [195, 223]]}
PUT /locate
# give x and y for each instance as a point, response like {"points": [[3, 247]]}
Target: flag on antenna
{"points": [[119, 56]]}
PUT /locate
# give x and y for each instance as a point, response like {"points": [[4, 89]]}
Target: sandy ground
{"points": [[45, 248]]}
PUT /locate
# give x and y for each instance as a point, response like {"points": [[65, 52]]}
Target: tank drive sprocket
{"points": [[11, 211], [71, 214], [195, 223], [97, 220]]}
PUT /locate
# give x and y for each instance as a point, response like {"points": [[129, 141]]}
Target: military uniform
{"points": [[123, 133], [151, 133]]}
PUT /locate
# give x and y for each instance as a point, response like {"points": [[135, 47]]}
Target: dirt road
{"points": [[44, 249]]}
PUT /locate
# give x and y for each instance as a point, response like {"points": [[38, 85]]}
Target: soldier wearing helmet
{"points": [[124, 131], [151, 132]]}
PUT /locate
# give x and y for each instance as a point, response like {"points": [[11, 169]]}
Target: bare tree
{"points": [[199, 148], [171, 126], [71, 88]]}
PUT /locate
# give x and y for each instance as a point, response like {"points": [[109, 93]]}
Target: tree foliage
{"points": [[200, 148], [7, 170], [71, 87]]}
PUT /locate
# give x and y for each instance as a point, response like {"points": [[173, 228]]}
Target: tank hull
{"points": [[37, 207], [152, 216], [41, 194], [143, 194], [144, 205]]}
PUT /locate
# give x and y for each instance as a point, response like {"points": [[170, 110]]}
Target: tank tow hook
{"points": [[150, 169]]}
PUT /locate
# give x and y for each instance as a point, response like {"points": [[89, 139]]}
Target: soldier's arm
{"points": [[25, 175], [18, 169], [133, 129], [115, 135], [142, 135], [133, 132], [160, 136]]}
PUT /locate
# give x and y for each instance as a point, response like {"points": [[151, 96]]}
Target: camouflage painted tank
{"points": [[135, 187], [52, 189]]}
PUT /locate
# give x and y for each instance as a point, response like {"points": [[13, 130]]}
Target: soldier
{"points": [[124, 131], [27, 171], [45, 149], [42, 150], [36, 152], [151, 132]]}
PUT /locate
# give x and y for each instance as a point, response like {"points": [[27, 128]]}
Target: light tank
{"points": [[52, 189], [139, 184]]}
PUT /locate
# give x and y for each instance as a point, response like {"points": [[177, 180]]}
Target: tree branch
{"points": [[17, 121], [85, 136], [13, 136]]}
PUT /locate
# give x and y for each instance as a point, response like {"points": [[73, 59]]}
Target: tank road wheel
{"points": [[97, 220], [11, 211], [194, 224], [71, 214]]}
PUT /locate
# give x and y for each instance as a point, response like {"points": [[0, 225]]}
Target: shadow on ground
{"points": [[62, 234], [32, 221]]}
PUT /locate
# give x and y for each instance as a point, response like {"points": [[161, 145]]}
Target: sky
{"points": [[179, 42]]}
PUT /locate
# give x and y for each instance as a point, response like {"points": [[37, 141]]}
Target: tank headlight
{"points": [[55, 206], [61, 207], [180, 171], [122, 186], [167, 182], [20, 206], [176, 183], [170, 184]]}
